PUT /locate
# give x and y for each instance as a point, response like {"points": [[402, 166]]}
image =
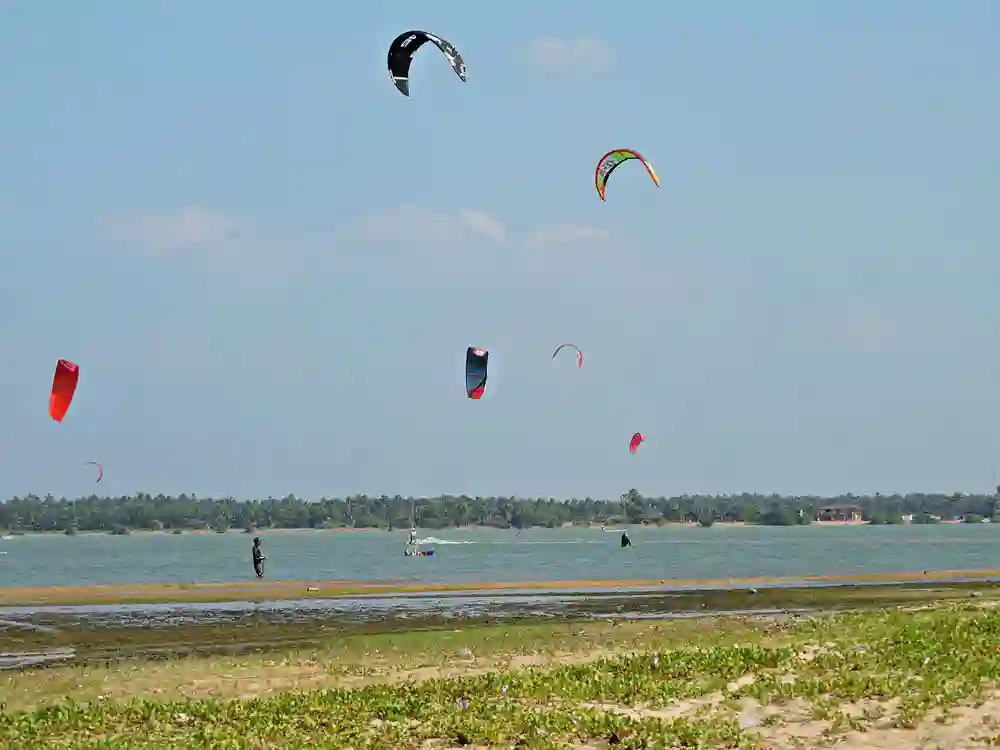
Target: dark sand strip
{"points": [[254, 591]]}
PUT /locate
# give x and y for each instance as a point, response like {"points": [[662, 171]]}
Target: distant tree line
{"points": [[189, 512]]}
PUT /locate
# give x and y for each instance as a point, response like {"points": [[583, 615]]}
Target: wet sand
{"points": [[260, 591]]}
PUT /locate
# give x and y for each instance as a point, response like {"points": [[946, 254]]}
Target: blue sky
{"points": [[269, 263]]}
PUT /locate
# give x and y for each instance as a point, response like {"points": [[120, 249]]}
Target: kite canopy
{"points": [[63, 388], [633, 445], [579, 354], [100, 469], [475, 372], [611, 161], [405, 46]]}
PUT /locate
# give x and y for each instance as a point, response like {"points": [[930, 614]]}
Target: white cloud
{"points": [[581, 55], [218, 248], [422, 226], [188, 228], [564, 234], [439, 247], [425, 226], [481, 223]]}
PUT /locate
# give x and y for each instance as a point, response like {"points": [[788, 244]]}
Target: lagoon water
{"points": [[489, 555]]}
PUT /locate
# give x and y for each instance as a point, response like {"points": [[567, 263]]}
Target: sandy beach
{"points": [[284, 590]]}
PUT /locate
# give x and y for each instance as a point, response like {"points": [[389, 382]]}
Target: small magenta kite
{"points": [[611, 161], [633, 445], [579, 354], [100, 469], [63, 388]]}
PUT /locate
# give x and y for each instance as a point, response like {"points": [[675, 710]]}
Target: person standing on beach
{"points": [[258, 558]]}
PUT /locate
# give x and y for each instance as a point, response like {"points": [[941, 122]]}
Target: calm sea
{"points": [[484, 555]]}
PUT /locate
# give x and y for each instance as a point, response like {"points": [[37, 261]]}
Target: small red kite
{"points": [[63, 388], [633, 445]]}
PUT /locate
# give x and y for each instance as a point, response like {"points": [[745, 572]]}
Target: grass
{"points": [[353, 660], [907, 677], [255, 591]]}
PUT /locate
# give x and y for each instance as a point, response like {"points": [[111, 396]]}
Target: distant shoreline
{"points": [[400, 529]]}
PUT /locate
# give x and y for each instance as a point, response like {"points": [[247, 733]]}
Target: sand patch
{"points": [[863, 725], [961, 728]]}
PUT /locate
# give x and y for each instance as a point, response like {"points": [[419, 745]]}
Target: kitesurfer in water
{"points": [[626, 542], [258, 558], [411, 543]]}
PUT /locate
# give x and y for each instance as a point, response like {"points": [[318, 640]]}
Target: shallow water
{"points": [[489, 555]]}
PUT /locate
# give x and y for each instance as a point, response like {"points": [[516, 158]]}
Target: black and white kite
{"points": [[403, 48]]}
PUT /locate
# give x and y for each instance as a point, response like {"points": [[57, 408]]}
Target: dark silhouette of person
{"points": [[258, 558]]}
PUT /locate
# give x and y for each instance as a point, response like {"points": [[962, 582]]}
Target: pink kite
{"points": [[633, 445]]}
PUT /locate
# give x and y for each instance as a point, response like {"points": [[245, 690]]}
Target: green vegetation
{"points": [[337, 657], [143, 511], [905, 678]]}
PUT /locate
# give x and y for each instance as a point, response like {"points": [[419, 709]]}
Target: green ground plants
{"points": [[803, 684]]}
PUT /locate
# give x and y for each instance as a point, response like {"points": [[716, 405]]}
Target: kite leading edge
{"points": [[579, 354]]}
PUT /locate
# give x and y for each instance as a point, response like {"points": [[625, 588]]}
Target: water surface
{"points": [[490, 555]]}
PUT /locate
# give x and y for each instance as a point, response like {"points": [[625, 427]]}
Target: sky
{"points": [[269, 263]]}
